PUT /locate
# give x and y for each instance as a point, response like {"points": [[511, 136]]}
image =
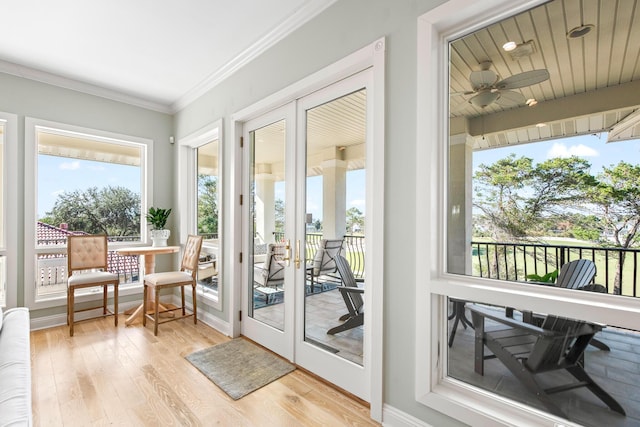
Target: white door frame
{"points": [[371, 56]]}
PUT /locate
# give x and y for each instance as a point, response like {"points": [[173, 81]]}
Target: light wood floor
{"points": [[125, 376]]}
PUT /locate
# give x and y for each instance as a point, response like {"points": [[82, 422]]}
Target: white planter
{"points": [[160, 237]]}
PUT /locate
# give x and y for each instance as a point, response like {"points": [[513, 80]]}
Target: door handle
{"points": [[297, 260], [287, 252]]}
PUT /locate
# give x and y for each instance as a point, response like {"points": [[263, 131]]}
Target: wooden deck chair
{"points": [[576, 274], [352, 296], [527, 350]]}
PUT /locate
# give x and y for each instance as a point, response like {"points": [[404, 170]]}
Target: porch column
{"points": [[265, 206], [460, 204], [334, 198]]}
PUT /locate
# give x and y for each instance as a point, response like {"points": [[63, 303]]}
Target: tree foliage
{"points": [[207, 204], [355, 220], [114, 211]]}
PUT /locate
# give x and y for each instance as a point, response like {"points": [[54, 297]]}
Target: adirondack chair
{"points": [[527, 350], [576, 274], [352, 296]]}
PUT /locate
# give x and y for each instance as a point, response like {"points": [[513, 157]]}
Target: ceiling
{"points": [[593, 85], [156, 54]]}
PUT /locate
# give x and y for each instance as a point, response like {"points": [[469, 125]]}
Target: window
{"points": [[465, 54], [85, 182], [200, 155], [8, 220]]}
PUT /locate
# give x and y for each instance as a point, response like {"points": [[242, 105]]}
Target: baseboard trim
{"points": [[393, 417]]}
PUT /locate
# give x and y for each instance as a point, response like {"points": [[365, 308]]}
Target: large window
{"points": [[8, 178], [85, 182], [200, 161], [534, 175]]}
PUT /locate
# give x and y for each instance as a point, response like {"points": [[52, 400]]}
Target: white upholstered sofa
{"points": [[15, 368]]}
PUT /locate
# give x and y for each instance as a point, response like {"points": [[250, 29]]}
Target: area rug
{"points": [[239, 367]]}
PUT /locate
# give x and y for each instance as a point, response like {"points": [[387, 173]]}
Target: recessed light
{"points": [[581, 31], [531, 102], [541, 125], [509, 46]]}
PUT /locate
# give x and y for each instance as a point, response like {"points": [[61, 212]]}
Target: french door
{"points": [[304, 173]]}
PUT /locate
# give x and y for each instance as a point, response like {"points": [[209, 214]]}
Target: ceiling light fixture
{"points": [[540, 125], [531, 102], [509, 46], [482, 99], [581, 31], [523, 50]]}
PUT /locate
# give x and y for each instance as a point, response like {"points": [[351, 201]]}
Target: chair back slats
{"points": [[191, 255], [561, 349], [349, 280], [576, 274]]}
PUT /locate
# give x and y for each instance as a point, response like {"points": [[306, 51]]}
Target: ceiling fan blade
{"points": [[527, 78], [509, 98], [482, 79]]}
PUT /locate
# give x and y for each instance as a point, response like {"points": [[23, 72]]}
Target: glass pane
{"points": [[540, 349], [335, 216], [85, 186], [268, 224], [530, 192], [208, 210]]}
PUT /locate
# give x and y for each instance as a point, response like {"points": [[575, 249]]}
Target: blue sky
{"points": [[593, 148], [58, 174]]}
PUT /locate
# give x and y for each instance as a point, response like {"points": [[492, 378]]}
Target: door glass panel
{"points": [[3, 271], [267, 208], [334, 217], [207, 214]]}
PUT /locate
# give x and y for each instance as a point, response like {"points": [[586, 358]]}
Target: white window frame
{"points": [[32, 125], [433, 387], [10, 198], [189, 199]]}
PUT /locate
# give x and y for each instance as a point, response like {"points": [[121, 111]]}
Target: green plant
{"points": [[547, 278], [157, 217]]}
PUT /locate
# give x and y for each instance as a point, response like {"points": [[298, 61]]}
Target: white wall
{"points": [[340, 30]]}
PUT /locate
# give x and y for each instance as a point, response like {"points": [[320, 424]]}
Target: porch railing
{"points": [[618, 269], [353, 248]]}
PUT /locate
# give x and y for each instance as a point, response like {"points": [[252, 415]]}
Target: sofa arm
{"points": [[15, 368]]}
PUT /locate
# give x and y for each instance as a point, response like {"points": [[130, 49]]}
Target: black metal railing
{"points": [[617, 268], [353, 246]]}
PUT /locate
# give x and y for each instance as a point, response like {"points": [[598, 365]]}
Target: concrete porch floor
{"points": [[617, 371]]}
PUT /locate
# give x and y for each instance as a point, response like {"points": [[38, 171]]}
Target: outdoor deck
{"points": [[617, 371]]}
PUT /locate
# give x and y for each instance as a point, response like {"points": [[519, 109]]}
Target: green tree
{"points": [[279, 216], [355, 220], [616, 200], [114, 211], [207, 204], [515, 196]]}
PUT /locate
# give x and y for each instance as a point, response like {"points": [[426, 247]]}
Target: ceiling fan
{"points": [[487, 89]]}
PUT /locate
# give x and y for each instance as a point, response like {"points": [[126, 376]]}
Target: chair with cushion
{"points": [[271, 274], [528, 350], [323, 260], [186, 276], [352, 296], [87, 268]]}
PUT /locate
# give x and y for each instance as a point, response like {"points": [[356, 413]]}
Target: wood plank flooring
{"points": [[125, 376]]}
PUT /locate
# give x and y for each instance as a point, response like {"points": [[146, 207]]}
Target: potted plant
{"points": [[157, 219]]}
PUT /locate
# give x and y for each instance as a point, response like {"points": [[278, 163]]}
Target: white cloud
{"points": [[57, 193], [580, 150], [358, 203], [70, 165]]}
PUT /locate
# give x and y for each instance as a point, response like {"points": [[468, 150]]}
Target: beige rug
{"points": [[239, 367]]}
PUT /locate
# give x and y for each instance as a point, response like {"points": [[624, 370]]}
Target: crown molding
{"points": [[293, 22], [67, 83]]}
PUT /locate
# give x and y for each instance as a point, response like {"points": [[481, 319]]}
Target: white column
{"points": [[334, 198], [460, 204], [265, 207]]}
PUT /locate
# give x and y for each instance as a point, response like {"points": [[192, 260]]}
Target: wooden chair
{"points": [[87, 268], [184, 277], [352, 296], [527, 350]]}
